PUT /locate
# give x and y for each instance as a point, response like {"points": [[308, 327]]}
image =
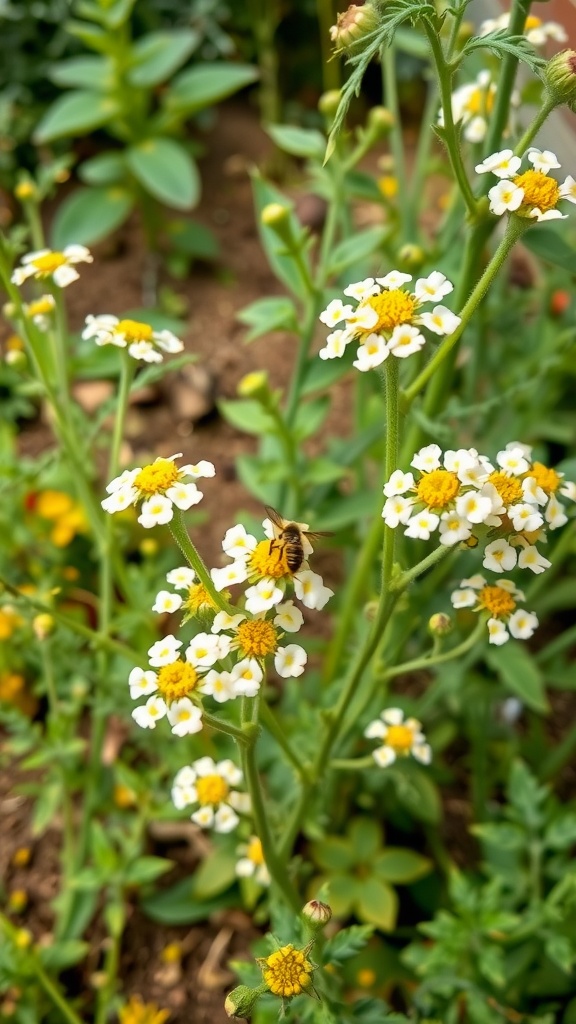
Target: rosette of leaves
{"points": [[140, 94], [360, 873]]}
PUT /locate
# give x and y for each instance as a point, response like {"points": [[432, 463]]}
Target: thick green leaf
{"points": [[207, 84], [76, 113], [90, 214], [46, 807], [104, 169], [355, 249], [273, 313], [519, 673], [166, 171], [215, 875], [82, 73], [146, 869], [549, 244], [306, 142], [158, 55], [333, 854], [401, 866], [377, 903], [365, 838], [94, 38], [247, 415], [179, 904]]}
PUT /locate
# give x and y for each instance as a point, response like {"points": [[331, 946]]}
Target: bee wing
{"points": [[275, 518], [318, 533]]}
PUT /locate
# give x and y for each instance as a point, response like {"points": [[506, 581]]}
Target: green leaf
{"points": [[76, 113], [551, 246], [89, 214], [377, 903], [519, 673], [526, 796], [559, 949], [82, 73], [323, 373], [251, 474], [193, 239], [104, 169], [247, 415], [158, 55], [179, 904], [46, 807], [346, 512], [104, 855], [561, 833], [365, 838], [274, 313], [342, 892], [401, 866], [215, 875], [500, 835], [94, 38], [347, 943], [333, 854], [282, 264], [146, 869], [357, 248], [305, 142], [417, 792], [166, 171], [323, 471], [311, 416], [207, 84], [63, 954]]}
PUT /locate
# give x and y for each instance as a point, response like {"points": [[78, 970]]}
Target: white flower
{"points": [[57, 265], [251, 864], [181, 578], [393, 280], [288, 617], [246, 677], [184, 717], [236, 572], [335, 345], [290, 660], [164, 651], [361, 289], [143, 342], [440, 320], [237, 543], [453, 528], [405, 340], [335, 312], [427, 458], [473, 507], [397, 510], [503, 164], [209, 784], [398, 483], [218, 685], [433, 288], [421, 525], [505, 196], [522, 624], [183, 495], [205, 649], [159, 486], [222, 621], [262, 596], [363, 318], [499, 556], [530, 558], [166, 601], [145, 352], [146, 715], [497, 632], [401, 737], [309, 588], [199, 469], [542, 160], [554, 514], [373, 352], [512, 460], [141, 683], [463, 598], [532, 492], [525, 517], [156, 511], [568, 189]]}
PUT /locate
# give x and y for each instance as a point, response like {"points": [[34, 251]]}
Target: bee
{"points": [[291, 538]]}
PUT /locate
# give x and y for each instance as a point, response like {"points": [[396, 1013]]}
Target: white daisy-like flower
{"points": [[47, 263], [530, 558], [532, 193], [181, 578], [164, 651], [400, 738], [142, 683], [158, 486], [246, 677], [238, 543], [146, 715], [387, 317], [40, 311], [184, 717], [219, 685], [500, 602], [228, 575], [288, 617], [141, 340], [536, 31], [251, 862], [205, 649], [503, 164], [290, 661], [262, 596], [309, 588], [499, 556], [210, 786]]}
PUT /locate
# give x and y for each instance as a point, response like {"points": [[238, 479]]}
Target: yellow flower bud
{"points": [[440, 624], [25, 190], [253, 385], [43, 625]]}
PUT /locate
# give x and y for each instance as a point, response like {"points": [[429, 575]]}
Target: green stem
{"points": [[425, 137], [388, 61], [32, 212], [499, 119], [404, 579], [544, 111], [240, 735], [438, 659], [352, 764], [556, 646], [270, 723], [127, 368], [390, 463], [39, 974], [111, 965], [180, 534], [516, 227]]}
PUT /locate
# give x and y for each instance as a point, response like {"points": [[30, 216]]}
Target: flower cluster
{"points": [[460, 491], [211, 788], [265, 564], [536, 31], [400, 737], [387, 318], [141, 340], [59, 266], [159, 487], [533, 193], [500, 601], [472, 105]]}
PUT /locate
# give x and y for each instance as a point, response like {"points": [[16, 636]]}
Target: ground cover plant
{"points": [[313, 730]]}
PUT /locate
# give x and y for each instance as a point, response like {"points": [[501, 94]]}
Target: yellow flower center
{"points": [[157, 478], [257, 638], [211, 790], [532, 22], [254, 851], [509, 487], [198, 599], [497, 601], [480, 101], [400, 738], [393, 308], [48, 263], [177, 680], [547, 479], [539, 190], [287, 972], [133, 330], [366, 977], [269, 559], [40, 306], [438, 488]]}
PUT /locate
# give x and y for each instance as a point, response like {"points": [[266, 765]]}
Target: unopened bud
{"points": [[253, 385], [242, 1000], [17, 901], [380, 121], [43, 625], [25, 190], [411, 256], [559, 302], [317, 913], [560, 77], [23, 938], [15, 358], [329, 102], [148, 547], [353, 25], [277, 217], [440, 624]]}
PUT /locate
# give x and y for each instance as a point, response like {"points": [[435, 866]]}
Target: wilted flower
{"points": [[534, 193], [158, 486], [500, 600], [57, 265], [142, 340], [387, 319], [210, 786], [400, 738]]}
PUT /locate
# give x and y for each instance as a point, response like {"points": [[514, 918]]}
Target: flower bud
{"points": [[23, 938], [353, 25], [16, 359], [25, 190], [411, 257], [43, 625], [17, 901], [560, 77], [253, 385], [440, 624], [317, 913], [380, 121], [277, 217], [329, 102], [242, 1000]]}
